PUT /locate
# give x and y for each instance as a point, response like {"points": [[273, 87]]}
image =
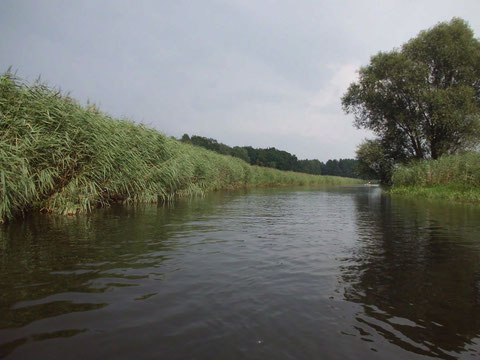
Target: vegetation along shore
{"points": [[58, 156], [455, 178], [278, 159]]}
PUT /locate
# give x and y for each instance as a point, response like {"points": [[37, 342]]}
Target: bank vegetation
{"points": [[454, 177], [58, 156]]}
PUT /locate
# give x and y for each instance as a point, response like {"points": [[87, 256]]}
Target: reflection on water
{"points": [[415, 269], [55, 266], [336, 273]]}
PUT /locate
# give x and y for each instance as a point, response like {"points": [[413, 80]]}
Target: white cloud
{"points": [[337, 85]]}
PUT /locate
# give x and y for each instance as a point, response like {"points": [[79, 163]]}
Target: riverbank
{"points": [[453, 178], [57, 156]]}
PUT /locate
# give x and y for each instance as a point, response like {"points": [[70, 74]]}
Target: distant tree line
{"points": [[278, 159]]}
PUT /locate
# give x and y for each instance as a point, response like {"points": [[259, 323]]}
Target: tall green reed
{"points": [[57, 156], [459, 169]]}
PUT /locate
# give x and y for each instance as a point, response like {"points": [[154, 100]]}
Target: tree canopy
{"points": [[373, 162], [422, 100]]}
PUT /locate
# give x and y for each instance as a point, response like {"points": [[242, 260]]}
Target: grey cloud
{"points": [[261, 73]]}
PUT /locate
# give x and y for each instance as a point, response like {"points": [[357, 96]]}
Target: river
{"points": [[269, 273]]}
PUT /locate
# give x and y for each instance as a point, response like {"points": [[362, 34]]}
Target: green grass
{"points": [[57, 156], [454, 178]]}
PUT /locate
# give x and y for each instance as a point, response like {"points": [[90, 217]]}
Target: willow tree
{"points": [[422, 100]]}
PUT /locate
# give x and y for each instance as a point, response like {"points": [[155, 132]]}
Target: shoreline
{"points": [[453, 192]]}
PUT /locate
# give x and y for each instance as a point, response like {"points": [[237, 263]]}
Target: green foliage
{"points": [[423, 100], [57, 156], [277, 159], [460, 169], [341, 167], [311, 167], [241, 153], [373, 162], [453, 177]]}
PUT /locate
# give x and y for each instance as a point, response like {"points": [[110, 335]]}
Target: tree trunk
{"points": [[433, 150]]}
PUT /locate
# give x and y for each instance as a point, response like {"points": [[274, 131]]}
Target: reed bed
{"points": [[58, 156], [461, 169], [454, 177]]}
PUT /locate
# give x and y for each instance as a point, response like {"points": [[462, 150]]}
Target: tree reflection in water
{"points": [[415, 270]]}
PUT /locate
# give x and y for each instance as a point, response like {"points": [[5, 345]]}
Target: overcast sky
{"points": [[262, 73]]}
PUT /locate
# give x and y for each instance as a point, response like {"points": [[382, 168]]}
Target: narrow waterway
{"points": [[274, 273]]}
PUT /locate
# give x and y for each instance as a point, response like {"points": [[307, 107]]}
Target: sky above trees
{"points": [[259, 73]]}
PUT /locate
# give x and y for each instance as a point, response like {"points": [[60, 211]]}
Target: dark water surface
{"points": [[298, 273]]}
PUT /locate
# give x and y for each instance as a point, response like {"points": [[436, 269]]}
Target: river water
{"points": [[272, 273]]}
